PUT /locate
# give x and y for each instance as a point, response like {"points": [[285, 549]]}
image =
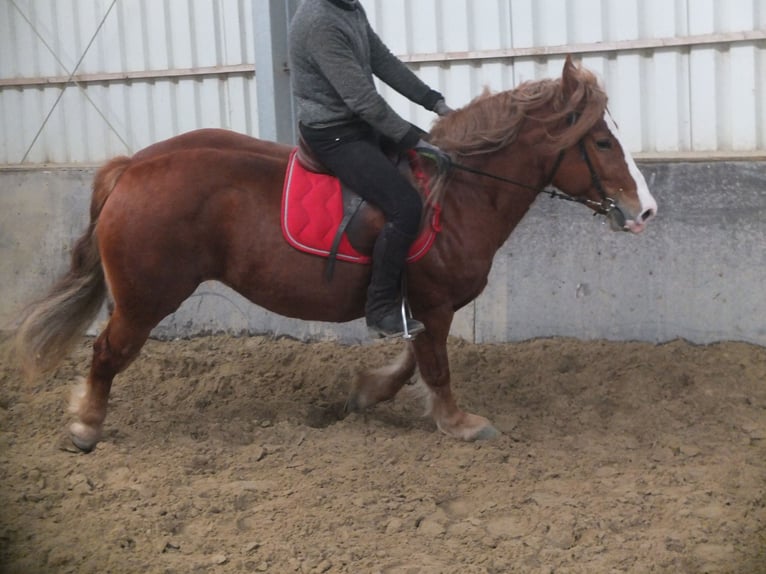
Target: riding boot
{"points": [[383, 310]]}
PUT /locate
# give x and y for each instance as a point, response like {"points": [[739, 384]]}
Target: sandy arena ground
{"points": [[231, 455]]}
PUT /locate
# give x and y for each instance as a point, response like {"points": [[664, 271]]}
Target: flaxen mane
{"points": [[493, 121]]}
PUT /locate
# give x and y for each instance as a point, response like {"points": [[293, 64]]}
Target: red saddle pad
{"points": [[312, 209]]}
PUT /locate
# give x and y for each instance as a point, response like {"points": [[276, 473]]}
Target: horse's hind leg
{"points": [[114, 349]]}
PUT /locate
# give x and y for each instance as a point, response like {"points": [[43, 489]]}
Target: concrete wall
{"points": [[698, 272]]}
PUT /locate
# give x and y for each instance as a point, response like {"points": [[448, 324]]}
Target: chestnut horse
{"points": [[206, 205]]}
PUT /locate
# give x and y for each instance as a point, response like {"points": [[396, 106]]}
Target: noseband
{"points": [[607, 206]]}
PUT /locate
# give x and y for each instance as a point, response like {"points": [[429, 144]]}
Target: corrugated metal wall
{"points": [[154, 69], [684, 76]]}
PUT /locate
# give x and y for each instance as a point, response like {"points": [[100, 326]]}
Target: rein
{"points": [[550, 190], [606, 206], [603, 207]]}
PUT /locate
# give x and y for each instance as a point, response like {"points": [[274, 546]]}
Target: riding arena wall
{"points": [[687, 85]]}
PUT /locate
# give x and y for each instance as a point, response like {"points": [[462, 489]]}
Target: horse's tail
{"points": [[49, 327]]}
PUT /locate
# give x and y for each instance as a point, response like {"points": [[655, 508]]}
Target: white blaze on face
{"points": [[648, 206]]}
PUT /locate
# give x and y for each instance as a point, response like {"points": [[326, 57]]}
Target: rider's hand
{"points": [[442, 109], [434, 153]]}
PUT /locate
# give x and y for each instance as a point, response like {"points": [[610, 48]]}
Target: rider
{"points": [[334, 54]]}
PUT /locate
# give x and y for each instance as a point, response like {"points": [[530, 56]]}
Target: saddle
{"points": [[323, 217]]}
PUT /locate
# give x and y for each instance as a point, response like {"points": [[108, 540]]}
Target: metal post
{"points": [[276, 109]]}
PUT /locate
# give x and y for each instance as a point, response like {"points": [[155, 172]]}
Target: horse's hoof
{"points": [[67, 444], [81, 446], [352, 404], [84, 438], [487, 433], [356, 402], [470, 428]]}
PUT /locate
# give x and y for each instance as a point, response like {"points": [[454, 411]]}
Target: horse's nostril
{"points": [[646, 215]]}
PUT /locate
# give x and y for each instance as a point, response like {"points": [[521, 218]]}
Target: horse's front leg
{"points": [[433, 364], [377, 385]]}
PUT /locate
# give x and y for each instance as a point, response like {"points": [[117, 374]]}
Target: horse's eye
{"points": [[604, 144]]}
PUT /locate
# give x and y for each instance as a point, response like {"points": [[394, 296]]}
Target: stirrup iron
{"points": [[406, 314]]}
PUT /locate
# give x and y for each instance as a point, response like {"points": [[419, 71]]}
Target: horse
{"points": [[206, 206]]}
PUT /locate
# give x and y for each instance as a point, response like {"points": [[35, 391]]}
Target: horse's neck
{"points": [[500, 205]]}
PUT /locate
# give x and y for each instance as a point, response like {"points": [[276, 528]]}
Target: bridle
{"points": [[607, 206]]}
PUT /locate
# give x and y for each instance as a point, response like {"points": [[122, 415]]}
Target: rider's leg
{"points": [[383, 310], [353, 154]]}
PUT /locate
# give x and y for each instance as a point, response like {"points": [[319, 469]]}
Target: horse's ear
{"points": [[569, 80]]}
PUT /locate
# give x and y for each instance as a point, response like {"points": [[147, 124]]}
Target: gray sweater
{"points": [[334, 54]]}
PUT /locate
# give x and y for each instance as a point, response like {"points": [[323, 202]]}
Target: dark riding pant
{"points": [[353, 153]]}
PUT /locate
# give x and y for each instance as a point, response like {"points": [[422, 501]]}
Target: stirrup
{"points": [[408, 335], [410, 327], [394, 325]]}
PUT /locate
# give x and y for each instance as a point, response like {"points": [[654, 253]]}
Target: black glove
{"points": [[442, 109], [434, 153]]}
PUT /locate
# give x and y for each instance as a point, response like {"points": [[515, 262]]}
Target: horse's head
{"points": [[567, 123], [593, 165]]}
